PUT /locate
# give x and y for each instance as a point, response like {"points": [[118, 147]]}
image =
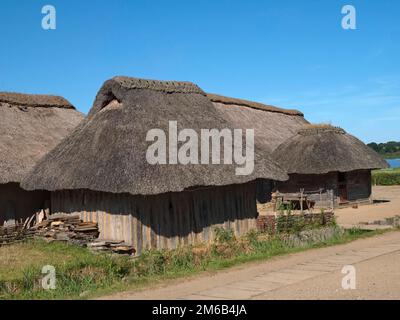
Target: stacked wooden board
{"points": [[62, 227], [115, 246], [67, 228]]}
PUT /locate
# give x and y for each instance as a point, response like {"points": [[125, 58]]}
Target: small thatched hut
{"points": [[272, 126], [326, 157], [30, 126], [100, 171]]}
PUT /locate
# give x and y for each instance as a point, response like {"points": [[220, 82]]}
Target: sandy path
{"points": [[370, 213], [314, 274], [377, 278]]}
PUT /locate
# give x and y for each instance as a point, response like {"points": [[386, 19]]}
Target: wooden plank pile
{"points": [[17, 232], [119, 247], [62, 227], [66, 227], [13, 234]]}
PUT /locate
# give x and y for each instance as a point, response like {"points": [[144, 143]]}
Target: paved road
{"points": [[314, 274]]}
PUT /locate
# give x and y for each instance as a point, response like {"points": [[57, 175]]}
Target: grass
{"points": [[386, 177], [81, 273], [393, 155], [78, 270]]}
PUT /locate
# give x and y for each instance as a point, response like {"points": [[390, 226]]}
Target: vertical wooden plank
{"points": [[153, 225], [191, 213], [143, 219], [132, 231], [101, 216], [185, 219], [137, 217], [193, 203], [162, 208], [173, 221], [171, 204]]}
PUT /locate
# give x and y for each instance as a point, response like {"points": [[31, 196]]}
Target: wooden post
{"points": [[301, 200], [274, 201]]}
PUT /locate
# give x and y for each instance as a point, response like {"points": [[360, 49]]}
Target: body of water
{"points": [[394, 163]]}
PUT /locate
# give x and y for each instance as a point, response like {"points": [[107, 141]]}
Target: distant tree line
{"points": [[388, 148]]}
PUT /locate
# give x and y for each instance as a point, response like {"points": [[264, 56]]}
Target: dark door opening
{"points": [[342, 182], [10, 216]]}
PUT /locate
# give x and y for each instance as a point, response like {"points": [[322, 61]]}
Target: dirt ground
{"points": [[313, 274], [377, 279], [372, 212]]}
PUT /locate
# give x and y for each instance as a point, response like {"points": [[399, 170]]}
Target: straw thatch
{"points": [[34, 100], [251, 104], [107, 152], [272, 125], [30, 126], [319, 149]]}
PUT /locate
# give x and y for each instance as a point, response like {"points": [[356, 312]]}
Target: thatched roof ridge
{"points": [[271, 125], [320, 149], [157, 85], [35, 100], [251, 104], [107, 151], [30, 126], [320, 128]]}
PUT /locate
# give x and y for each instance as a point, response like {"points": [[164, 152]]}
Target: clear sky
{"points": [[292, 54]]}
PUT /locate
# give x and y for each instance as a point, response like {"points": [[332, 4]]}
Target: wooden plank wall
{"points": [[310, 182], [166, 220], [359, 185]]}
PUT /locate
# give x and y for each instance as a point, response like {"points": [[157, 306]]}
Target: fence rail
{"points": [[305, 200]]}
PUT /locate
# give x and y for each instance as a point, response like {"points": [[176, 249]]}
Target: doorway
{"points": [[342, 183], [10, 216]]}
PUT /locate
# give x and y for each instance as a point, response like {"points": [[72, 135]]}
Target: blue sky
{"points": [[292, 54]]}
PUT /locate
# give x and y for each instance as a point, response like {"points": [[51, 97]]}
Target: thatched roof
{"points": [[318, 149], [251, 104], [107, 152], [272, 125], [30, 126], [34, 100]]}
